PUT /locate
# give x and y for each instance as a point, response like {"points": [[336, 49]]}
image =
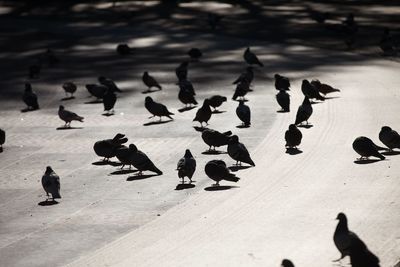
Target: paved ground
{"points": [[283, 208]]}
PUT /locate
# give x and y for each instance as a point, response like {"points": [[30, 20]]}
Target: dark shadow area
{"points": [[68, 128], [97, 101], [282, 111], [67, 98], [306, 126], [391, 153], [293, 151], [108, 114], [105, 162], [186, 108], [366, 161], [28, 110], [242, 126], [140, 177], [218, 111], [150, 91], [48, 203], [213, 152], [316, 103], [184, 186], [156, 122], [236, 168], [119, 172], [220, 187]]}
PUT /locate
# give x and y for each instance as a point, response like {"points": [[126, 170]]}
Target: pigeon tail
{"points": [[79, 118], [251, 162], [232, 178], [56, 195], [228, 133], [156, 170], [260, 64]]}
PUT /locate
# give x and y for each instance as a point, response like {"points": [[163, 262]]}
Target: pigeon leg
{"points": [[160, 118], [190, 180], [123, 165], [152, 116], [140, 173]]}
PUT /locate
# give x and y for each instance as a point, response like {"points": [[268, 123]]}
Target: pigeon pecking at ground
{"points": [[310, 91], [69, 88], [244, 114], [238, 151], [51, 183], [323, 88], [216, 101], [215, 139], [246, 76], [30, 98], [96, 90], [287, 263], [182, 71], [367, 148], [293, 136], [203, 114], [186, 93], [110, 84], [304, 112], [109, 100], [124, 49], [107, 148], [141, 161], [123, 154], [283, 99], [195, 54], [217, 171], [150, 82], [251, 58], [186, 166], [281, 82], [389, 137], [241, 90], [68, 116], [2, 139], [157, 109]]}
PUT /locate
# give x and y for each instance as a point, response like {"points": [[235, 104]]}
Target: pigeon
{"points": [[156, 109], [241, 90], [251, 58], [186, 166], [323, 88], [366, 148], [51, 183], [247, 76], [283, 99], [195, 54], [109, 83], [97, 90], [34, 70], [124, 49], [389, 137], [217, 171], [293, 136], [281, 82], [215, 139], [109, 100], [30, 98], [203, 114], [68, 116], [243, 113], [238, 151], [287, 263], [107, 148], [69, 88], [310, 91], [141, 162], [387, 44], [2, 139], [182, 71], [123, 154], [361, 256], [214, 20], [304, 112], [150, 82], [186, 93], [216, 101]]}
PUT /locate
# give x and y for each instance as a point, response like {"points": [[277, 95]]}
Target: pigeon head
{"points": [[101, 78], [188, 154], [224, 99], [277, 76], [287, 263], [386, 129], [241, 102], [133, 148], [118, 136], [206, 102], [248, 49], [306, 101], [145, 73], [316, 82], [48, 170], [292, 127], [148, 99], [341, 217], [184, 64], [305, 82], [234, 139], [28, 87], [61, 107]]}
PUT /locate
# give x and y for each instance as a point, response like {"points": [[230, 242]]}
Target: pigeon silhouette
{"points": [[215, 139], [108, 148], [287, 263], [30, 98], [110, 84], [141, 161], [216, 170], [238, 151], [150, 81], [34, 70], [293, 136], [387, 44], [361, 256], [310, 91], [96, 90], [366, 148], [51, 183], [323, 88], [203, 114], [124, 49], [241, 90], [186, 93], [304, 112], [281, 82], [186, 166], [251, 58], [182, 71], [246, 76], [389, 137], [68, 116], [216, 101], [283, 99], [195, 54], [69, 88], [123, 154], [109, 100], [2, 139], [243, 112], [157, 109]]}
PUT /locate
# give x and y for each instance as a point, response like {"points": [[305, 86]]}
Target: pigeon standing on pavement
{"points": [[123, 154], [186, 93], [195, 54], [241, 90], [203, 114], [283, 99], [293, 136], [310, 91], [367, 148], [96, 90], [244, 114], [107, 148], [182, 71], [150, 81], [217, 171], [238, 151], [141, 161], [323, 88], [216, 100], [389, 137], [361, 256], [30, 98], [287, 263], [68, 116], [69, 88], [251, 58], [110, 84], [186, 166], [281, 82], [247, 76], [304, 112], [215, 139], [109, 100], [157, 109], [124, 49], [51, 183], [2, 139]]}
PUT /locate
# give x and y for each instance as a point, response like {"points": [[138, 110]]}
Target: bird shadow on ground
{"points": [[218, 111], [186, 109], [97, 101], [220, 187], [140, 177], [156, 122], [213, 152], [108, 114], [236, 168], [391, 153], [119, 172], [105, 162], [241, 126], [293, 151], [1, 149], [68, 128], [331, 97], [48, 203], [315, 103], [200, 129], [366, 161], [150, 91], [67, 98], [28, 110], [282, 111], [184, 186], [306, 126], [244, 100]]}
